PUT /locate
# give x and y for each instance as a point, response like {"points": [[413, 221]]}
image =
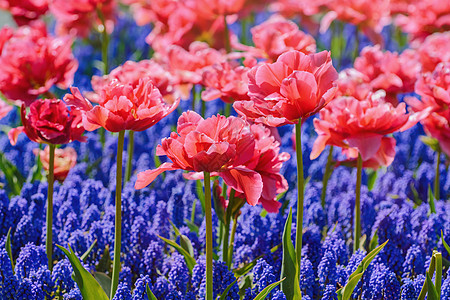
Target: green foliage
{"points": [[90, 289], [190, 261], [12, 175], [8, 247], [430, 290], [263, 294], [346, 292], [150, 295], [289, 269]]}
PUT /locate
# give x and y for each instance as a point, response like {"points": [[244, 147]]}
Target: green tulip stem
{"points": [[49, 216], [437, 195], [118, 218], [326, 176], [209, 237], [300, 191], [130, 151]]}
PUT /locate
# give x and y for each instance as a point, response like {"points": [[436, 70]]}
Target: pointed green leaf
{"points": [[89, 287], [246, 268], [200, 194], [263, 294], [225, 292], [374, 241], [438, 277], [431, 200], [8, 248], [447, 247], [88, 251], [104, 263], [348, 289], [432, 293], [104, 281], [190, 261], [289, 267], [367, 260], [150, 295], [372, 179], [13, 176], [218, 206], [175, 228], [186, 244], [191, 226]]}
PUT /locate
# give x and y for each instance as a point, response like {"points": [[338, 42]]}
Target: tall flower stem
{"points": [[227, 109], [233, 234], [130, 150], [326, 176], [209, 238], [118, 219], [357, 224], [437, 191], [300, 190], [49, 217], [226, 237], [105, 45], [227, 35], [356, 50]]}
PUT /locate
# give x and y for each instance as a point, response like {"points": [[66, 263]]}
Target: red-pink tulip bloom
{"points": [[361, 126], [424, 18], [32, 62], [278, 35], [436, 85], [79, 17], [25, 11], [389, 71], [437, 125], [49, 121], [220, 145], [434, 50], [132, 72], [226, 80], [370, 17], [123, 107], [219, 7], [295, 86], [353, 83], [65, 159]]}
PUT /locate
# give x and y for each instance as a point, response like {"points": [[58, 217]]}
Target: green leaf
{"points": [[8, 248], [364, 264], [374, 241], [432, 293], [347, 291], [289, 266], [438, 277], [263, 294], [372, 178], [175, 229], [12, 175], [431, 200], [104, 281], [191, 226], [218, 206], [190, 261], [447, 247], [104, 263], [186, 244], [200, 194], [150, 295], [225, 293], [88, 251], [89, 287], [246, 268]]}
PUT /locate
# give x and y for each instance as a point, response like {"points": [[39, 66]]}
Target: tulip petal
{"points": [[146, 177], [13, 134], [366, 145], [244, 181]]}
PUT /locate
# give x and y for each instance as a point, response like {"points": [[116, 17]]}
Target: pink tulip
{"points": [[295, 86], [65, 159], [25, 11], [225, 80], [79, 17], [123, 107], [219, 145], [32, 62], [361, 126], [434, 50], [436, 85]]}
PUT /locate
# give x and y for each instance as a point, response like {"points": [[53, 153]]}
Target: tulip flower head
{"points": [[50, 121], [65, 159], [218, 145], [362, 126], [122, 107], [295, 86], [31, 62], [25, 11]]}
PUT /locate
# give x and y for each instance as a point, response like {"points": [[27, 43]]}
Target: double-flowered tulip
{"points": [[216, 144], [122, 106], [295, 86]]}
